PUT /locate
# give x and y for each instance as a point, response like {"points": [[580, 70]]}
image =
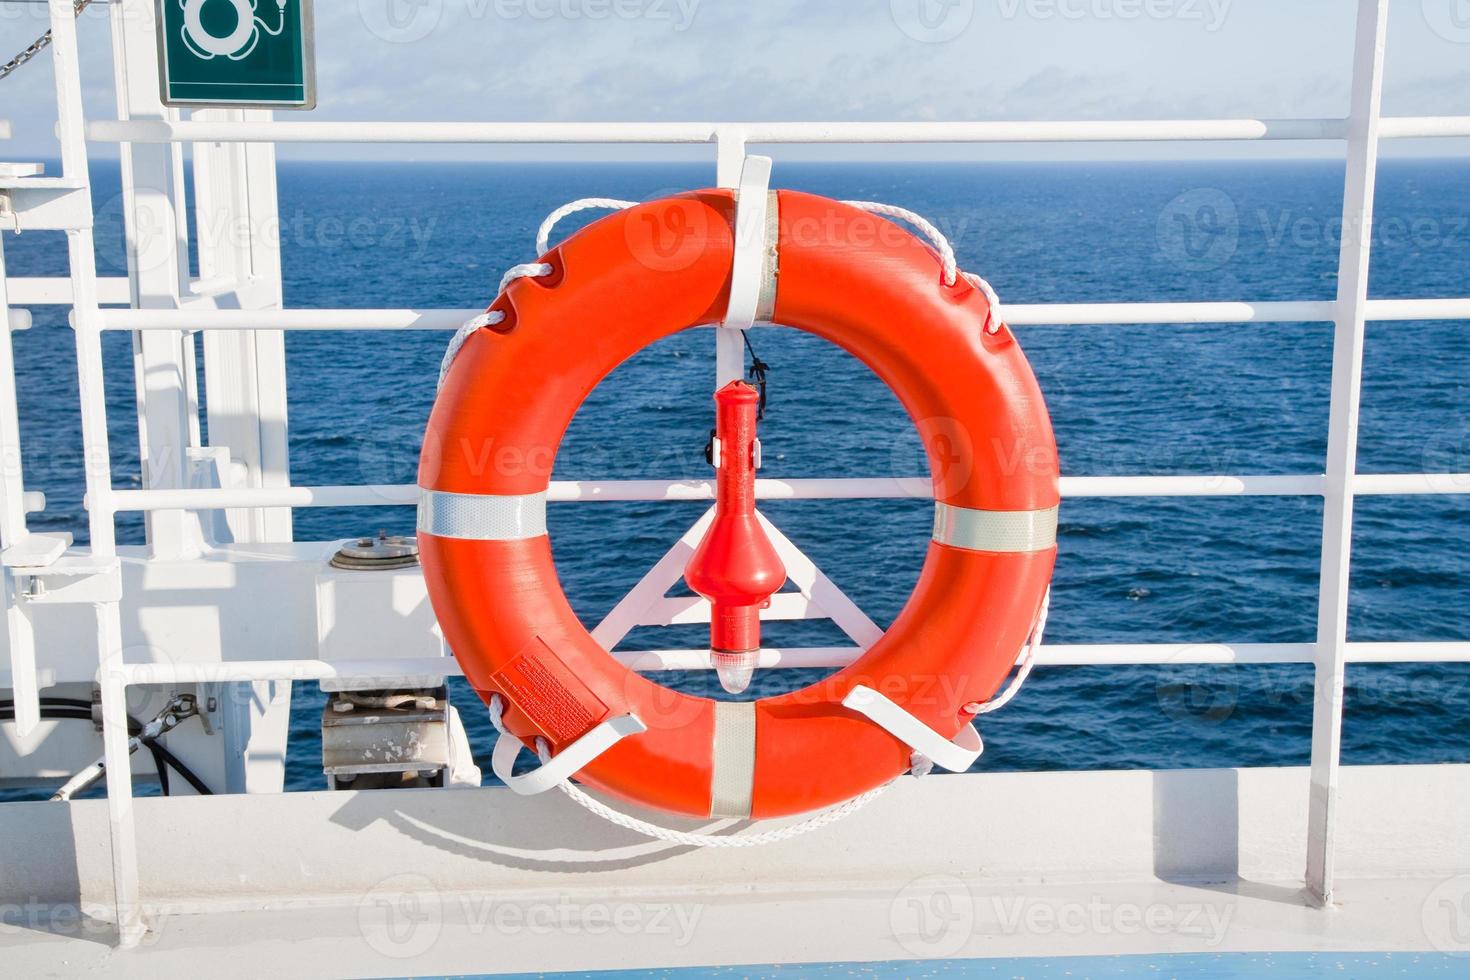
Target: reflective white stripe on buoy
{"points": [[732, 779], [995, 530], [482, 516]]}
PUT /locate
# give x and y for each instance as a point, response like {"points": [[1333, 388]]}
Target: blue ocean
{"points": [[1130, 399]]}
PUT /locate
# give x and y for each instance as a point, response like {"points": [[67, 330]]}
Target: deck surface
{"points": [[397, 934], [1201, 863]]}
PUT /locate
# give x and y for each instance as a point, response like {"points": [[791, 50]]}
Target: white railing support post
{"points": [[21, 634], [244, 371], [1342, 442], [157, 233], [81, 255]]}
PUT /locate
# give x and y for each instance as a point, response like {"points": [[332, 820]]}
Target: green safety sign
{"points": [[236, 53]]}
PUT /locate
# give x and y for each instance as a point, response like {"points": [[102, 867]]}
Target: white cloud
{"points": [[721, 60]]}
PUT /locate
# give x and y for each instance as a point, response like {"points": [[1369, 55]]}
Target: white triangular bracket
{"points": [[817, 597]]}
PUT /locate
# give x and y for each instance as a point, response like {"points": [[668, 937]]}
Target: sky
{"points": [[731, 60]]}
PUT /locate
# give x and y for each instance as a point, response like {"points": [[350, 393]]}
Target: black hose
{"points": [[56, 703], [7, 713], [159, 766], [134, 727], [182, 770], [73, 709]]}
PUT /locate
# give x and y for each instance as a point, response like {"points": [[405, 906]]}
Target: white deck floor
{"points": [[477, 881], [476, 934]]}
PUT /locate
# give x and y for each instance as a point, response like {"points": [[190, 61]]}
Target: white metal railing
{"points": [[1363, 134], [1360, 132], [56, 291], [83, 296], [856, 488], [1053, 655], [1017, 314], [1150, 130]]}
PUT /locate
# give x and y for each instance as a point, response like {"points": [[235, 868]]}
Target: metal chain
{"points": [[39, 44]]}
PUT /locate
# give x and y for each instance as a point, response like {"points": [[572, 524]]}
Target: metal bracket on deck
{"points": [[956, 756]]}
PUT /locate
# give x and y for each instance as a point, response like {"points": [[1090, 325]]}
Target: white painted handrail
{"points": [[826, 658], [1017, 314], [835, 488], [1090, 131]]}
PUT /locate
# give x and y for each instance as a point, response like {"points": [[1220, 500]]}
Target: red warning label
{"points": [[549, 694]]}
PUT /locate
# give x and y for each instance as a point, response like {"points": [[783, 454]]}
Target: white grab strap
{"points": [[555, 771], [955, 756], [752, 204], [929, 748], [946, 254], [684, 838]]}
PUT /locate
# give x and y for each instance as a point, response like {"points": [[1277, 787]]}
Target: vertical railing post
{"points": [[24, 685], [1342, 442], [12, 485], [245, 370], [245, 380], [156, 227], [81, 254]]}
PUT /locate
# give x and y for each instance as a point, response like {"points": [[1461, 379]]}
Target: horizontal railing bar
{"points": [[1418, 309], [1017, 314], [163, 131], [1294, 311], [651, 661], [1379, 484], [1088, 656], [294, 319], [301, 670], [1082, 655], [363, 495], [405, 494], [1000, 131], [1419, 127], [1108, 654], [836, 488], [1302, 485], [1073, 314], [1064, 131], [56, 290], [1409, 652], [1053, 655]]}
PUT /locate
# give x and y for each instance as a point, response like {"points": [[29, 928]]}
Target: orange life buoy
{"points": [[644, 273]]}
